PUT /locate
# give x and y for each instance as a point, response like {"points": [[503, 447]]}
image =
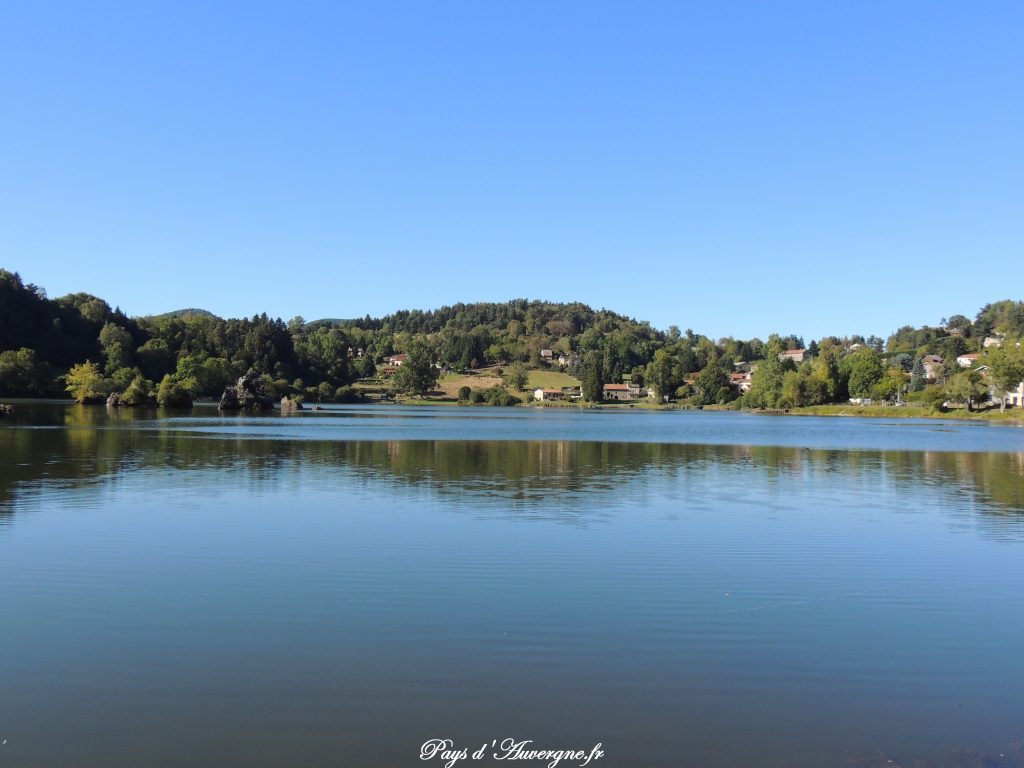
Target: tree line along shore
{"points": [[517, 352]]}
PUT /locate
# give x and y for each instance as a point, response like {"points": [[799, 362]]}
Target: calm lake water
{"points": [[336, 588]]}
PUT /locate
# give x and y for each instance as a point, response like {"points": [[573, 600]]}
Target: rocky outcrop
{"points": [[247, 394], [114, 401], [288, 405]]}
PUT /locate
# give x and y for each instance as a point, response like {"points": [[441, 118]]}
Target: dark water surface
{"points": [[336, 588]]}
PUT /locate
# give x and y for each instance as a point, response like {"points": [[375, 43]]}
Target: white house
{"points": [[548, 394], [1015, 397], [968, 359], [741, 380], [396, 360]]}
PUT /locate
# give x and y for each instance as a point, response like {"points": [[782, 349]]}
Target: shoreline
{"points": [[1011, 417]]}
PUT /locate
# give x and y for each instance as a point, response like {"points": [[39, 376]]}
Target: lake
{"points": [[339, 587]]}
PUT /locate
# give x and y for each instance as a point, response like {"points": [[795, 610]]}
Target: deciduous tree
{"points": [[1006, 369], [417, 375], [85, 382]]}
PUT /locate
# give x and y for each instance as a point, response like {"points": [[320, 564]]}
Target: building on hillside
{"points": [[932, 367], [992, 341], [796, 355], [396, 360], [741, 381], [547, 355], [967, 360]]}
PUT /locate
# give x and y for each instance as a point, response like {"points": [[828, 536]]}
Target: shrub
{"points": [[932, 396], [498, 395], [139, 392], [346, 394], [172, 394]]}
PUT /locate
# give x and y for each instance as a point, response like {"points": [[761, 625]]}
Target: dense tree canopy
{"points": [[418, 373], [81, 345]]}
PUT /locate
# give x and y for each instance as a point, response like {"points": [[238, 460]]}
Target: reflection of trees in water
{"points": [[86, 445], [957, 757]]}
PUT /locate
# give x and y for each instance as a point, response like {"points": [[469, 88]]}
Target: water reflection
{"points": [[537, 478], [329, 595]]}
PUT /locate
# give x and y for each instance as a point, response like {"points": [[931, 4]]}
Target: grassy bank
{"points": [[909, 412], [551, 380]]}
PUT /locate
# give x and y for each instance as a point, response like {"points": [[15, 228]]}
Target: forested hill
{"points": [[51, 335], [530, 317], [183, 313], [42, 338]]}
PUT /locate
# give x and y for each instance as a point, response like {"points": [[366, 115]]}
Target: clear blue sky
{"points": [[737, 168]]}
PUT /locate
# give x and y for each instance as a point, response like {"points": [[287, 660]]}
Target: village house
{"points": [[573, 393], [967, 360], [992, 341], [547, 355], [396, 360], [621, 392], [568, 360], [741, 380], [1015, 397], [796, 355], [932, 367], [548, 394]]}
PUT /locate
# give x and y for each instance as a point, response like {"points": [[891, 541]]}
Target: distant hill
{"points": [[184, 314]]}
